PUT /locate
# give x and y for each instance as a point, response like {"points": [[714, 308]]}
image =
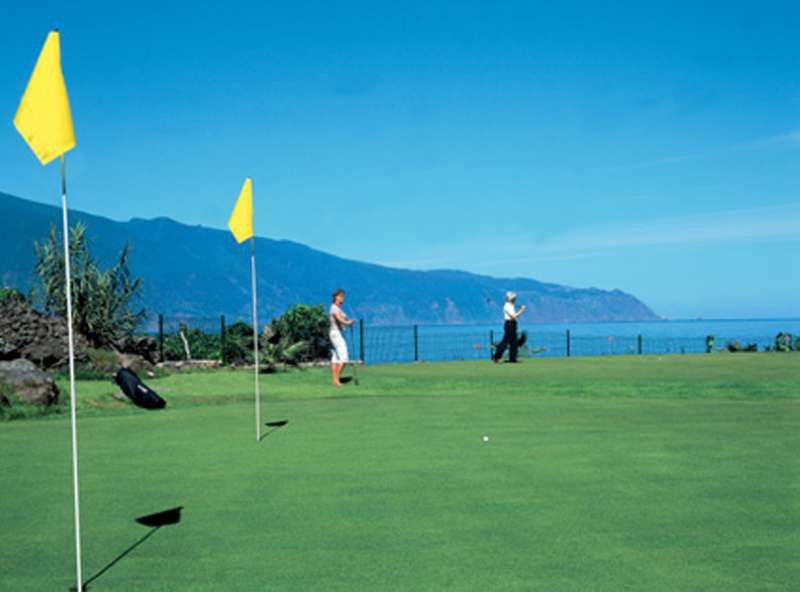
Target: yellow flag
{"points": [[43, 117], [241, 220]]}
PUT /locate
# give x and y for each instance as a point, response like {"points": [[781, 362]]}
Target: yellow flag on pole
{"points": [[241, 220], [43, 118]]}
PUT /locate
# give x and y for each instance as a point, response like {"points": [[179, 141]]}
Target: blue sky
{"points": [[651, 147]]}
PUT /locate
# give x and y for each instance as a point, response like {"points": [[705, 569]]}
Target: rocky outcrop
{"points": [[133, 362], [139, 345], [28, 383], [32, 335]]}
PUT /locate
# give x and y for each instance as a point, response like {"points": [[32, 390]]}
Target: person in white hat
{"points": [[510, 316]]}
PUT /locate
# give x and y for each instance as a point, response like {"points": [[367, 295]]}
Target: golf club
{"points": [[353, 364]]}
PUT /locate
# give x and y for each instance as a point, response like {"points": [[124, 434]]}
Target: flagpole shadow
{"points": [[155, 522], [118, 558], [274, 426]]}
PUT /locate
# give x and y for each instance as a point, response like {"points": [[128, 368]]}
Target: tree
{"points": [[102, 300], [238, 344]]}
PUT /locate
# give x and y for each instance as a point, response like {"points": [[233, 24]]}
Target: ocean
{"points": [[384, 344]]}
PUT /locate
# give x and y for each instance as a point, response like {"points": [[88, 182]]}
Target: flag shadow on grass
{"points": [[154, 521], [274, 426]]}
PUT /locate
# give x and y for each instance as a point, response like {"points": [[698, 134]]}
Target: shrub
{"points": [[282, 352], [784, 342], [202, 346], [302, 323], [299, 335], [239, 343], [736, 346], [11, 295], [100, 364], [6, 395]]}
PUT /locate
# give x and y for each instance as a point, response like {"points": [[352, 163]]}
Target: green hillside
{"points": [[196, 271]]}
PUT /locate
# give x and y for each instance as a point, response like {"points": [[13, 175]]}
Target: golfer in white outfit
{"points": [[339, 320]]}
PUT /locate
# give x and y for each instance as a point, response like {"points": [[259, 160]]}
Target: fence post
{"points": [[361, 340], [416, 343], [639, 344], [161, 336], [222, 339], [491, 343], [569, 345]]}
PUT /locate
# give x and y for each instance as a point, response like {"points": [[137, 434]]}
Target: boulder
{"points": [[133, 362], [35, 336], [141, 345], [29, 384], [179, 365], [8, 351]]}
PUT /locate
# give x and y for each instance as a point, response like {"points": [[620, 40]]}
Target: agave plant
{"points": [[281, 352]]}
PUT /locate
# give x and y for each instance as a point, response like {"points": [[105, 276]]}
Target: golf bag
{"points": [[139, 393], [521, 341]]}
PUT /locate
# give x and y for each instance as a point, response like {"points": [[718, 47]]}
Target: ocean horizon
{"points": [[384, 343]]}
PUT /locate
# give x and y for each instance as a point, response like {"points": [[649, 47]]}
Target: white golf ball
{"points": [[486, 438]]}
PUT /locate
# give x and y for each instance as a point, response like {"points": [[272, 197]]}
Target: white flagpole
{"points": [[255, 335], [71, 342]]}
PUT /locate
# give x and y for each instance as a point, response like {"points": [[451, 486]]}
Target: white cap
{"points": [[511, 296]]}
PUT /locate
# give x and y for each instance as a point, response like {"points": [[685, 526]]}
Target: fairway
{"points": [[672, 473]]}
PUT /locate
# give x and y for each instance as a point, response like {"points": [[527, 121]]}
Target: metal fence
{"points": [[168, 332], [381, 344], [378, 344]]}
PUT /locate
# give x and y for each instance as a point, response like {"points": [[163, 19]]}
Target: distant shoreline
{"points": [[574, 323]]}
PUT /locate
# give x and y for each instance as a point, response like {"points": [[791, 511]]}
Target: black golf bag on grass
{"points": [[522, 339], [139, 393]]}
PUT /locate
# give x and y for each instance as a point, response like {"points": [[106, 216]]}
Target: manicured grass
{"points": [[630, 473]]}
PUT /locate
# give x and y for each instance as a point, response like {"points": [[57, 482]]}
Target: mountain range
{"points": [[194, 271]]}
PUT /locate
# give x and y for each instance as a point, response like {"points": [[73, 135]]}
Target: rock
{"points": [[35, 336], [29, 384], [8, 351], [177, 366], [133, 362], [142, 345]]}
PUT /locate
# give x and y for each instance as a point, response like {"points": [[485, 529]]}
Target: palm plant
{"points": [[102, 300]]}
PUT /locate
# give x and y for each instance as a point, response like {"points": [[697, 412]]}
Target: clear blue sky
{"points": [[651, 147]]}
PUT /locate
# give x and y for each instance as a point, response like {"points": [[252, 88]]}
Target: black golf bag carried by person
{"points": [[139, 393]]}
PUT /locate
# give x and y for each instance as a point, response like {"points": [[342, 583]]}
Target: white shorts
{"points": [[338, 349]]}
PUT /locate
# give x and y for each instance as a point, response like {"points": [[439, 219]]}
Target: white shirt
{"points": [[509, 311], [335, 326]]}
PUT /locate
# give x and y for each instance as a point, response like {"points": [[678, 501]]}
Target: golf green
{"points": [[604, 474]]}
